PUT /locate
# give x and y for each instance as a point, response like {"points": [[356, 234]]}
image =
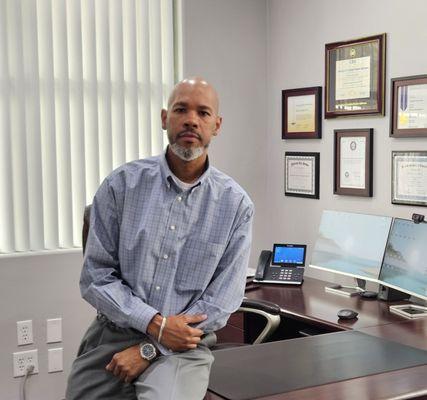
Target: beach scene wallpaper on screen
{"points": [[351, 243]]}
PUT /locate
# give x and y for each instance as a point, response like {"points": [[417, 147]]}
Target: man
{"points": [[165, 263]]}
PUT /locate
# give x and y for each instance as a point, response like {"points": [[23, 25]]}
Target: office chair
{"points": [[269, 311]]}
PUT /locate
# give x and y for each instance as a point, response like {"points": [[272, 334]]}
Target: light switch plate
{"points": [[54, 330], [55, 360]]}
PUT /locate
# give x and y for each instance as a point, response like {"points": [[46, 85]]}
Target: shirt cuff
{"points": [[141, 318]]}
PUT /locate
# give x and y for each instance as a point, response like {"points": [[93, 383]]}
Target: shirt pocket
{"points": [[197, 264]]}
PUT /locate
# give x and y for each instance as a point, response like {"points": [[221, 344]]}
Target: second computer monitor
{"points": [[351, 244], [405, 261]]}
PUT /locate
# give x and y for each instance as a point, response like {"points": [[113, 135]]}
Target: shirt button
{"points": [[172, 227], [157, 287], [165, 256], [179, 198]]}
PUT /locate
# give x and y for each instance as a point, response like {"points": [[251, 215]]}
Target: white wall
{"points": [[37, 288], [297, 33], [225, 42]]}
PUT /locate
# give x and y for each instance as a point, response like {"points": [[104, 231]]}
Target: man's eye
{"points": [[204, 113], [180, 109]]}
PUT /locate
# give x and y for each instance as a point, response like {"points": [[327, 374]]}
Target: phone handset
{"points": [[263, 262]]}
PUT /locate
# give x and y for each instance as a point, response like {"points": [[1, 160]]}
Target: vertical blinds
{"points": [[82, 83]]}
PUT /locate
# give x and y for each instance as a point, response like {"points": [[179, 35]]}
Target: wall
{"points": [[39, 287], [225, 42], [297, 33]]}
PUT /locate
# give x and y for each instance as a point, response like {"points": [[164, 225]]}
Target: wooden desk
{"points": [[311, 306], [310, 303]]}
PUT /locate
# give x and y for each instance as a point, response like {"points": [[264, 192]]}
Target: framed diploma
{"points": [[409, 177], [301, 113], [409, 106], [302, 174], [353, 172], [355, 74]]}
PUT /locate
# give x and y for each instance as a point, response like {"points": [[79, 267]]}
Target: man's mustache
{"points": [[189, 132]]}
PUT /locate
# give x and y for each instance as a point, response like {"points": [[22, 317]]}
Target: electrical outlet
{"points": [[25, 332], [23, 359]]}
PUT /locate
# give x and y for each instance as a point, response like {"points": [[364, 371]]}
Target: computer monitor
{"points": [[405, 260], [351, 244]]}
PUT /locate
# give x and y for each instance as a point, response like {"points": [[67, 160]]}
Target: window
{"points": [[81, 88]]}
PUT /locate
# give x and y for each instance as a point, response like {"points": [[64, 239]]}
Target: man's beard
{"points": [[187, 153]]}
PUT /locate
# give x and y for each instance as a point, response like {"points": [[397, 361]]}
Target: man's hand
{"points": [[128, 364], [177, 335]]}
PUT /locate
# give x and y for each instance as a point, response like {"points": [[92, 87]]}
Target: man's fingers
{"points": [[196, 332], [117, 370], [123, 376], [193, 339], [110, 366], [194, 318]]}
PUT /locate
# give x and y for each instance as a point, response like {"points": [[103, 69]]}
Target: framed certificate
{"points": [[355, 74], [409, 177], [353, 172], [302, 174], [301, 113], [409, 106]]}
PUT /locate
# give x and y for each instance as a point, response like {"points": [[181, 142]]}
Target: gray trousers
{"points": [[180, 376]]}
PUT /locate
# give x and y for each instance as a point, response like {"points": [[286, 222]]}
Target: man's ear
{"points": [[164, 116], [218, 123]]}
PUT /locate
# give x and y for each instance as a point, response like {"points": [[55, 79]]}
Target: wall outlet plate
{"points": [[22, 359], [24, 330]]}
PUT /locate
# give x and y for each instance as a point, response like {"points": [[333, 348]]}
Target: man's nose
{"points": [[192, 120]]}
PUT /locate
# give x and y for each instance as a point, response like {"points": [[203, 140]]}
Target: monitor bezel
{"points": [[364, 277], [389, 285], [334, 271], [290, 245]]}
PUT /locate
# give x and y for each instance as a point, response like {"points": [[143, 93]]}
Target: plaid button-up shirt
{"points": [[153, 248]]}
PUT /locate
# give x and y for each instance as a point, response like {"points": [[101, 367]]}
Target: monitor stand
{"points": [[416, 309], [347, 291]]}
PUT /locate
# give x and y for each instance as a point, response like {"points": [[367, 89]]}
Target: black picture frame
{"points": [[311, 128], [306, 167], [350, 66], [357, 177]]}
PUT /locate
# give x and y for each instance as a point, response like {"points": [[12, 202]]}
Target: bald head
{"points": [[194, 85]]}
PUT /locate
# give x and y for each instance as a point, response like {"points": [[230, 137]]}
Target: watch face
{"points": [[148, 351]]}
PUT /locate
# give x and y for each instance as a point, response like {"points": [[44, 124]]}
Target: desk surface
{"points": [[311, 303]]}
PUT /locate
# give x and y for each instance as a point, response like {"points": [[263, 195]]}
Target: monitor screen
{"points": [[289, 254], [351, 244], [405, 261]]}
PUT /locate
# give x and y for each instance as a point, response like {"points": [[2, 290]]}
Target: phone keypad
{"points": [[285, 274]]}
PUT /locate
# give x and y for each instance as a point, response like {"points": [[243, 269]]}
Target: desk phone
{"points": [[285, 264]]}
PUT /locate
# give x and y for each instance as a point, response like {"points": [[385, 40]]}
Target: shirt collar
{"points": [[168, 175]]}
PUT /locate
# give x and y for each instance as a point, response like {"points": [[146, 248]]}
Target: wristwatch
{"points": [[148, 351]]}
